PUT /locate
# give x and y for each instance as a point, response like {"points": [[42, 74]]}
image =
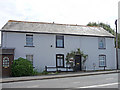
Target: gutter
{"points": [[22, 31]]}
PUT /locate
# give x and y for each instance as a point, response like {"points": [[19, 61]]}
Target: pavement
{"points": [[54, 76], [69, 83]]}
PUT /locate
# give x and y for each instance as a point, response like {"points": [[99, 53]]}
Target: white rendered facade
{"points": [[44, 50]]}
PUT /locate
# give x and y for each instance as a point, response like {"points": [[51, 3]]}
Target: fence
{"points": [[59, 69]]}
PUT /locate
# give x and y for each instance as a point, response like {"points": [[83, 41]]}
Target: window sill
{"points": [[102, 48], [59, 66], [102, 66], [29, 46], [59, 47]]}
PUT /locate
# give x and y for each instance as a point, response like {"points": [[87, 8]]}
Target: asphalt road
{"points": [[93, 81]]}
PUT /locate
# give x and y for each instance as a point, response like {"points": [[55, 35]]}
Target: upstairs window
{"points": [[101, 43], [102, 60], [59, 41], [29, 40]]}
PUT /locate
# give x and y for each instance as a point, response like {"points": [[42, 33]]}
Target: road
{"points": [[93, 81]]}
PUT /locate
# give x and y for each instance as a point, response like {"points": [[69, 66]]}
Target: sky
{"points": [[79, 12]]}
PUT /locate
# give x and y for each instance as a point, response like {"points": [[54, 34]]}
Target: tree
{"points": [[107, 28]]}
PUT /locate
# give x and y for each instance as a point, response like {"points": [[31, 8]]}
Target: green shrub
{"points": [[45, 73], [35, 72], [22, 67]]}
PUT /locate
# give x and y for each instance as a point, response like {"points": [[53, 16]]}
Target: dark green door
{"points": [[78, 63]]}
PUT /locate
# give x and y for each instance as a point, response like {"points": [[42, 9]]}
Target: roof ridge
{"points": [[51, 23]]}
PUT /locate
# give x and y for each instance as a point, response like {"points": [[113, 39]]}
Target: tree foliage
{"points": [[107, 28], [103, 25]]}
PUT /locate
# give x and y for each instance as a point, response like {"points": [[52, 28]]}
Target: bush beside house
{"points": [[22, 67]]}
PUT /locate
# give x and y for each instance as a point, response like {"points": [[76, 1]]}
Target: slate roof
{"points": [[54, 28]]}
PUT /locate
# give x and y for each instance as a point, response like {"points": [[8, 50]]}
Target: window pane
{"points": [[60, 41], [101, 42], [103, 63], [100, 63], [29, 40], [5, 62], [60, 61], [102, 60], [30, 58]]}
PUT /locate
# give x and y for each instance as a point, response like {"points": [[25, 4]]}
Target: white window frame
{"points": [[29, 57], [59, 38], [103, 42], [29, 40], [102, 60]]}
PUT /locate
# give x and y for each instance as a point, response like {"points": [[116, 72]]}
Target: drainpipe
{"points": [[116, 46]]}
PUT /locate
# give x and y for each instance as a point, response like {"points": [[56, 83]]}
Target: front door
{"points": [[6, 65], [78, 62]]}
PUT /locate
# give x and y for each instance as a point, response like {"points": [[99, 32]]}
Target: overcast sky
{"points": [[60, 11]]}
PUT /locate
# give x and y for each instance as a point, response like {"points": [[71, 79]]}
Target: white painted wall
{"points": [[45, 55]]}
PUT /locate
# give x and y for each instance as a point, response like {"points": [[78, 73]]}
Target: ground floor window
{"points": [[30, 58], [59, 60], [102, 60]]}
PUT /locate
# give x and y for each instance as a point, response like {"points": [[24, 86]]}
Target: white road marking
{"points": [[98, 85], [109, 78], [76, 82]]}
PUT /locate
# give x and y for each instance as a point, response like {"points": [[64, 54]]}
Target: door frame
{"points": [[7, 52]]}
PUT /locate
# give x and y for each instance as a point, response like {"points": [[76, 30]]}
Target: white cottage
{"points": [[46, 44]]}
